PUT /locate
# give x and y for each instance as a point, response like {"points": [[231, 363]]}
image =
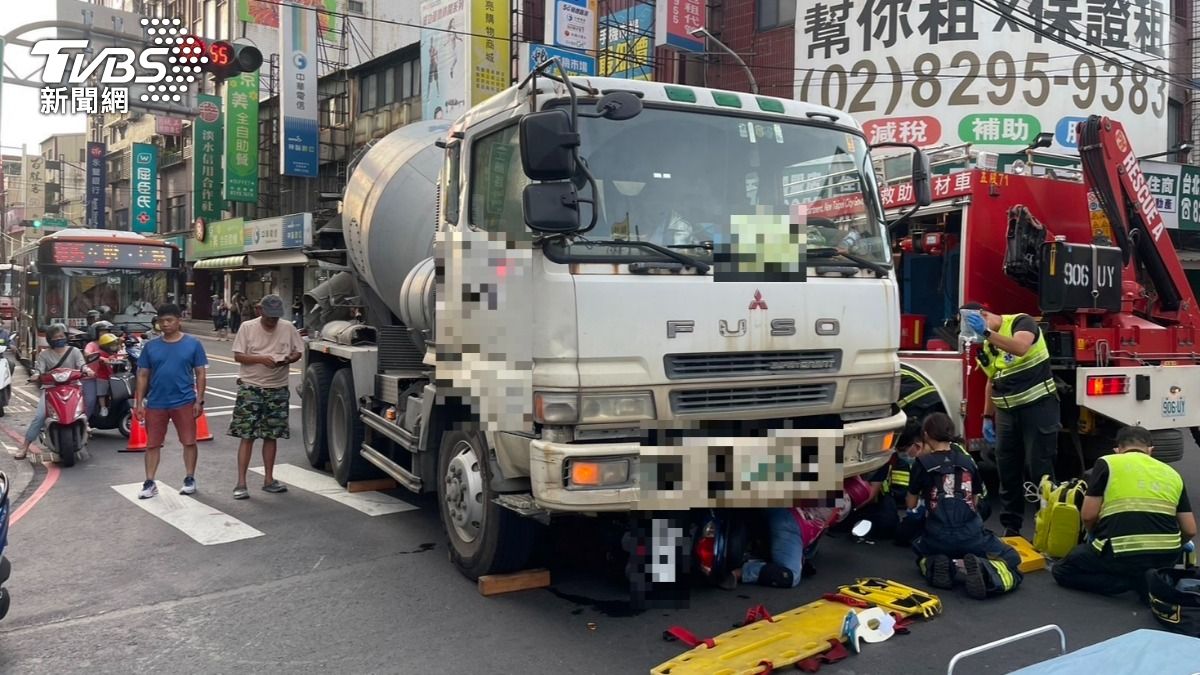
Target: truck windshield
{"points": [[697, 180]]}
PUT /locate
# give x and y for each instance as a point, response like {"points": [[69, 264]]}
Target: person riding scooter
{"points": [[106, 346], [59, 355]]}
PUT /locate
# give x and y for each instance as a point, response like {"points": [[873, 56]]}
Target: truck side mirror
{"points": [[920, 179], [551, 208], [548, 145]]}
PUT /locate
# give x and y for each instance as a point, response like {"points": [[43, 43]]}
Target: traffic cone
{"points": [[137, 437], [202, 432]]}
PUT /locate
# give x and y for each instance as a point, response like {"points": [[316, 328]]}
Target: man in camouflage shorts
{"points": [[264, 347]]}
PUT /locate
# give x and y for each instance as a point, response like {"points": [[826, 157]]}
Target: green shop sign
{"points": [[224, 237], [999, 129], [241, 138]]}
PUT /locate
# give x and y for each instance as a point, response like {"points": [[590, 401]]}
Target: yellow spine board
{"points": [[793, 636], [894, 596]]}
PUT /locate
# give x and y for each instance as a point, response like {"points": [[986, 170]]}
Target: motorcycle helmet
{"points": [[858, 490], [96, 328], [109, 343]]}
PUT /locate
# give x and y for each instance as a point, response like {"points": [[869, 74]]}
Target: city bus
{"points": [[77, 276]]}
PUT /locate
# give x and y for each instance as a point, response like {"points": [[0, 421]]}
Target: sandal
{"points": [[240, 492], [275, 487]]}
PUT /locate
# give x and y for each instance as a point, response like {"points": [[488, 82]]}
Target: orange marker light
{"points": [[585, 473]]}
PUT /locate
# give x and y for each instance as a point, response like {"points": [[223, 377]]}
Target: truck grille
{"points": [[746, 364], [691, 401]]}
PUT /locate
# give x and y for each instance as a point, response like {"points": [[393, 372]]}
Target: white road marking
{"points": [[370, 503], [27, 395], [222, 376], [194, 518]]}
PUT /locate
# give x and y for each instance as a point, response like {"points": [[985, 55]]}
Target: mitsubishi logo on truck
{"points": [[758, 302]]}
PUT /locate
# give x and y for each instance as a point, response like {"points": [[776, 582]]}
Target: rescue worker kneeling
{"points": [[954, 544], [1137, 515]]}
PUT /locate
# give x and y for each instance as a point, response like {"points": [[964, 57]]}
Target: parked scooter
{"points": [[64, 434], [5, 377], [5, 565]]}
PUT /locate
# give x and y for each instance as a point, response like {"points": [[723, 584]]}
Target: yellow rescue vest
{"points": [[1140, 502], [1017, 380]]}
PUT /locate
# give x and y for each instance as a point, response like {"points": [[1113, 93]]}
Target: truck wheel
{"points": [[485, 538], [314, 401], [345, 430], [1168, 445]]}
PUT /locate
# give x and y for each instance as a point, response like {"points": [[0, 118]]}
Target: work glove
{"points": [[989, 430], [976, 323]]}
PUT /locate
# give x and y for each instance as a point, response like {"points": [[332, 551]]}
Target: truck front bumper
{"points": [[715, 472]]}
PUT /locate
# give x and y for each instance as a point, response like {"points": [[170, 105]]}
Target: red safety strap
{"points": [[770, 667], [687, 637], [837, 652], [902, 623], [846, 600], [757, 613]]}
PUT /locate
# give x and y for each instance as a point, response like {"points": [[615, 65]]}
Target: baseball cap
{"points": [[272, 306]]}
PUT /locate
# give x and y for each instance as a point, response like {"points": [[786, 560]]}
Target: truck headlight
{"points": [[880, 391], [572, 408], [555, 407], [630, 407]]}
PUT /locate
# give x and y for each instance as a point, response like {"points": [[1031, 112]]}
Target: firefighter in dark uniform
{"points": [[1138, 518], [918, 395], [1021, 413], [953, 544]]}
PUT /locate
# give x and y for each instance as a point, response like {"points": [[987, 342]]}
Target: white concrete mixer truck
{"points": [[607, 296]]}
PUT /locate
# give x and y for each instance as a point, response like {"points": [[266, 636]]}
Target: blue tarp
{"points": [[1150, 652]]}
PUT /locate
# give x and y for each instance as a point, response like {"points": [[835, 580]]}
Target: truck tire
{"points": [[345, 430], [485, 538], [314, 402], [1168, 445]]}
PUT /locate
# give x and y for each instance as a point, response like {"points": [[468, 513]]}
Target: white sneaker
{"points": [[189, 486], [104, 411], [149, 489]]}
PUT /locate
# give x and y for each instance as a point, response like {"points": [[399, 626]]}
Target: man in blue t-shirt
{"points": [[171, 369]]}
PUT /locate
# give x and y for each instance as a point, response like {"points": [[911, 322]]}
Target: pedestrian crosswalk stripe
{"points": [[370, 503], [188, 515]]}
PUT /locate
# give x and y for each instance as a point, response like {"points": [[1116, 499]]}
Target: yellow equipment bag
{"points": [[1058, 526]]}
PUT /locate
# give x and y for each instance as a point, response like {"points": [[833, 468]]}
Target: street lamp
{"points": [[1182, 146], [703, 32]]}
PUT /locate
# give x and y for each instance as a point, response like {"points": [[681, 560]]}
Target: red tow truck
{"points": [[1088, 256]]}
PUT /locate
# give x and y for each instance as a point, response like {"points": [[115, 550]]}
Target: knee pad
{"points": [[776, 576]]}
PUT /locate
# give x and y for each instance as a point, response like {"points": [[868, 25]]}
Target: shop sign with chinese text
{"points": [[144, 214], [241, 141], [985, 76], [207, 144]]}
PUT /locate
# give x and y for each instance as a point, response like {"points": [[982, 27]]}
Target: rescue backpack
{"points": [[1058, 527]]}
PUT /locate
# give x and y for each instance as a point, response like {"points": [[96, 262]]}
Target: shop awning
{"points": [[221, 263], [277, 259]]}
